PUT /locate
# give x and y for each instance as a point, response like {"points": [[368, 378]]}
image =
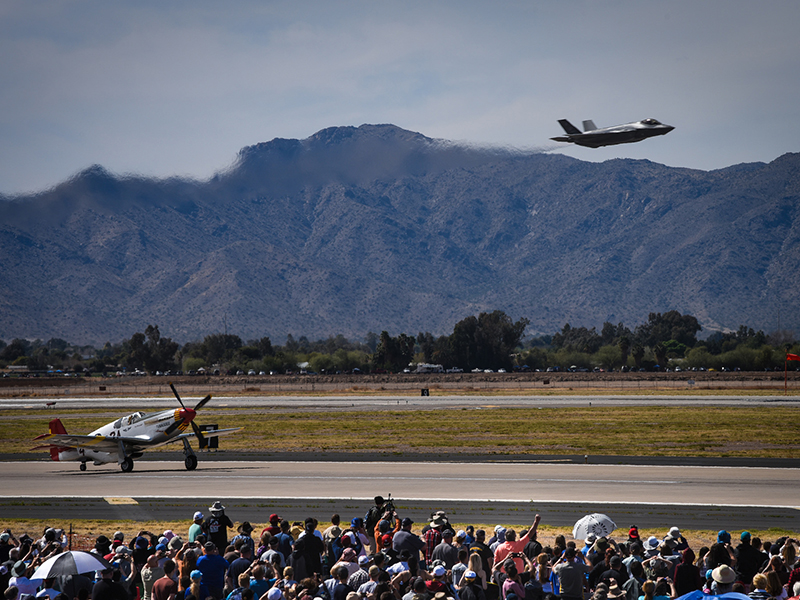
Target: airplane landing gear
{"points": [[126, 465], [83, 466], [191, 460]]}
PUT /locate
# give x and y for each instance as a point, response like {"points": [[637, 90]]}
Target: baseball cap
{"points": [[470, 575], [198, 516], [439, 571], [386, 540], [273, 594], [196, 574], [4, 537], [363, 560], [406, 522], [161, 548]]}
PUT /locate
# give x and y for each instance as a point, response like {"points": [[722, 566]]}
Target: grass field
{"points": [[636, 431]]}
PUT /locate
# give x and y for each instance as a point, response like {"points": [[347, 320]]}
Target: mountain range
{"points": [[359, 229]]}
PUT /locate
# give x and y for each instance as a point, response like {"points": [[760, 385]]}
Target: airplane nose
{"points": [[188, 415]]}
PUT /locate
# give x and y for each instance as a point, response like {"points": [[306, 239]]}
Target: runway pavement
{"points": [[649, 496], [397, 402]]}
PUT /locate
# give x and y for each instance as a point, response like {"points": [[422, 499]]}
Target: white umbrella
{"points": [[71, 562], [596, 523]]}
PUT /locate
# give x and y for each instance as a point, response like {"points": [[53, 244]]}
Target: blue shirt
{"points": [[213, 568]]}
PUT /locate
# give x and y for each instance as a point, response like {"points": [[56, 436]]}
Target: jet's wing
{"points": [[92, 442], [190, 434]]}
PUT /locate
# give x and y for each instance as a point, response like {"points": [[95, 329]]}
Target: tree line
{"points": [[490, 340]]}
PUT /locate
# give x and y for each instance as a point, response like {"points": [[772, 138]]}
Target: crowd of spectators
{"points": [[381, 557]]}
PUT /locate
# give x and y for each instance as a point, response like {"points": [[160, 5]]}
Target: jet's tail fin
{"points": [[568, 127], [589, 125]]}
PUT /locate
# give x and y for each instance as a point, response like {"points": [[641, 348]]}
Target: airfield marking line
{"points": [[400, 478]]}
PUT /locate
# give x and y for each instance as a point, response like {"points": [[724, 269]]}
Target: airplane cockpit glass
{"points": [[135, 417], [650, 122], [118, 423]]}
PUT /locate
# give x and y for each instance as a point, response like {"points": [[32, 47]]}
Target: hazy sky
{"points": [[178, 87]]}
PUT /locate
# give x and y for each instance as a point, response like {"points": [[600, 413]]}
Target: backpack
{"points": [[372, 517]]}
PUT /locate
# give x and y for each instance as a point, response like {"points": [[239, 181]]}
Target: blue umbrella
{"points": [[699, 595]]}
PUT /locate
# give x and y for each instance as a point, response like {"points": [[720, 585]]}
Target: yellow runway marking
{"points": [[120, 500]]}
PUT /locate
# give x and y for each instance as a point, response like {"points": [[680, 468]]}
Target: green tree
{"points": [[394, 354], [638, 354], [487, 341], [670, 325], [426, 343], [624, 348]]}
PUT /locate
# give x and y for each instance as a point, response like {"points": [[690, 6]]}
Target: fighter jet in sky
{"points": [[592, 137]]}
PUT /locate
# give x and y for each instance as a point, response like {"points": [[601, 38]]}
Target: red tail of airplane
{"points": [[56, 426]]}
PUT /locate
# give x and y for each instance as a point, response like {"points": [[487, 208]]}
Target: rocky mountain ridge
{"points": [[368, 228]]}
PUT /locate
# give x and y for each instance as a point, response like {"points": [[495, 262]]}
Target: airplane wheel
{"points": [[83, 466], [126, 465], [190, 462]]}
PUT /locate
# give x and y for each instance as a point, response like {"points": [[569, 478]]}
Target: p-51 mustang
{"points": [[592, 137], [128, 437]]}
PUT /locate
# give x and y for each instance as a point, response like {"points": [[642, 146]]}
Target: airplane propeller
{"points": [[188, 415]]}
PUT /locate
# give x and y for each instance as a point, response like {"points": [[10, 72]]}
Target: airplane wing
{"points": [[92, 442], [111, 444], [206, 434]]}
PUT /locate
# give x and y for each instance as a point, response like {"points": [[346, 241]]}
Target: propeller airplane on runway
{"points": [[127, 438]]}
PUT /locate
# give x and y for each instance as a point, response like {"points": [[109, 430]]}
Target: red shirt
{"points": [[163, 588]]}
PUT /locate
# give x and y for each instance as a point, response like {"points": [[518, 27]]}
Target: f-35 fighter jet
{"points": [[592, 137]]}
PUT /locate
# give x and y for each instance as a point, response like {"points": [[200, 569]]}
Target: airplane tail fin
{"points": [[56, 426], [589, 125], [568, 127]]}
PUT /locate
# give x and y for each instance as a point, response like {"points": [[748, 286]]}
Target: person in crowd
{"points": [[216, 526], [213, 567]]}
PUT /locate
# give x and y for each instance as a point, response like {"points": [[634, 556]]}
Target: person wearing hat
{"points": [[446, 552], [433, 537], [198, 589], [274, 527], [239, 566], [748, 560], [216, 527], [633, 535], [724, 577], [244, 537], [405, 539], [108, 589], [307, 551], [196, 528], [361, 576], [19, 578], [588, 543], [438, 583], [471, 589], [675, 540], [213, 567], [479, 547], [348, 560]]}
